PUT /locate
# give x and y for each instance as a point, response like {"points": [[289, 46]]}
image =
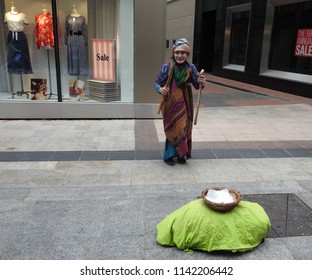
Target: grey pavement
{"points": [[96, 189]]}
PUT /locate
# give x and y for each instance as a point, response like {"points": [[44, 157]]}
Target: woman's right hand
{"points": [[164, 91]]}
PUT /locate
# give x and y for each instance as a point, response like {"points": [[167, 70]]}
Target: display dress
{"points": [[44, 30], [76, 39], [18, 53]]}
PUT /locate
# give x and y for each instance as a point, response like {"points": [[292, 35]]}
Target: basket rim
{"points": [[221, 206]]}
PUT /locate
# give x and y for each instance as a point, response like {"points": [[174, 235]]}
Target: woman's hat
{"points": [[181, 45]]}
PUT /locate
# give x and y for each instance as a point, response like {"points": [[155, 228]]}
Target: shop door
{"points": [[207, 40]]}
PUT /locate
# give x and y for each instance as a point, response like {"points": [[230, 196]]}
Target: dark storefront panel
{"points": [[255, 42], [239, 36]]}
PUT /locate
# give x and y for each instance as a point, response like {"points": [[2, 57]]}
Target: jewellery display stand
{"points": [[21, 92]]}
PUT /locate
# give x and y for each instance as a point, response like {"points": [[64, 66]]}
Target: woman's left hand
{"points": [[202, 79]]}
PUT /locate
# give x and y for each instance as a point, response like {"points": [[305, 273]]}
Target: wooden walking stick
{"points": [[198, 99], [166, 85]]}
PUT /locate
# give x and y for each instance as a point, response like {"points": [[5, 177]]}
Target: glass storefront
{"points": [[89, 59], [238, 41], [265, 43], [288, 19], [236, 37]]}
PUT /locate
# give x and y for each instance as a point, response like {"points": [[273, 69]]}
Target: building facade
{"points": [[89, 60], [180, 23], [261, 42]]}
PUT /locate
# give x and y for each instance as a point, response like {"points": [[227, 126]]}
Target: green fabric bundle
{"points": [[195, 226]]}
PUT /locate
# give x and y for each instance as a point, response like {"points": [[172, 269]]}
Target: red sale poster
{"points": [[304, 43]]}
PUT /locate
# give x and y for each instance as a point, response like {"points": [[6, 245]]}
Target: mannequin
{"points": [[18, 58], [76, 40], [13, 9], [74, 12], [44, 29], [45, 36]]}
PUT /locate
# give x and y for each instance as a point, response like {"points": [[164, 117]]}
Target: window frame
{"points": [[266, 45], [227, 36]]}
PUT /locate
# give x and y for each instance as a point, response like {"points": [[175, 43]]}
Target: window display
{"points": [[77, 89], [18, 52], [76, 39], [52, 42], [288, 20], [38, 89]]}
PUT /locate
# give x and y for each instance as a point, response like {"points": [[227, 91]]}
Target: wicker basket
{"points": [[222, 207]]}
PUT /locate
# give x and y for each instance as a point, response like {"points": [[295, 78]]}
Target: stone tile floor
{"points": [[96, 189]]}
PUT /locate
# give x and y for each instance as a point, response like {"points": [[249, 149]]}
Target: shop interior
{"points": [[87, 68]]}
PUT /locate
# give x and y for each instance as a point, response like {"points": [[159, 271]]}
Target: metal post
{"points": [[50, 81], [57, 52]]}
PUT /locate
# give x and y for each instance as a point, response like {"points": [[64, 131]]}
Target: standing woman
{"points": [[174, 84]]}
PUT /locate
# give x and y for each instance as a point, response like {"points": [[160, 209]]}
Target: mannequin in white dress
{"points": [[18, 57]]}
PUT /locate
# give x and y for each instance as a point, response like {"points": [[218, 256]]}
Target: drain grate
{"points": [[289, 215], [150, 154]]}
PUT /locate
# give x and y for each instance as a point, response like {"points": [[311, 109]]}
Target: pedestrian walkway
{"points": [[96, 189], [269, 95]]}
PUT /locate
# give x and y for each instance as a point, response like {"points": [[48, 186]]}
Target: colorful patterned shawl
{"points": [[178, 116]]}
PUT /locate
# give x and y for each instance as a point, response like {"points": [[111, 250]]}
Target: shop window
{"points": [[89, 32], [238, 41], [288, 19], [236, 37]]}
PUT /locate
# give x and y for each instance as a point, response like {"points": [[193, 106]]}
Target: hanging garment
{"points": [[44, 30], [18, 53], [76, 40]]}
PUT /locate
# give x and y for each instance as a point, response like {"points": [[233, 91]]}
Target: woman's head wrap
{"points": [[181, 45]]}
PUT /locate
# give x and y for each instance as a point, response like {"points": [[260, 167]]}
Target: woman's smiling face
{"points": [[180, 56]]}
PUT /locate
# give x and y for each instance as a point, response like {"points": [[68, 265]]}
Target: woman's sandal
{"points": [[170, 162]]}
